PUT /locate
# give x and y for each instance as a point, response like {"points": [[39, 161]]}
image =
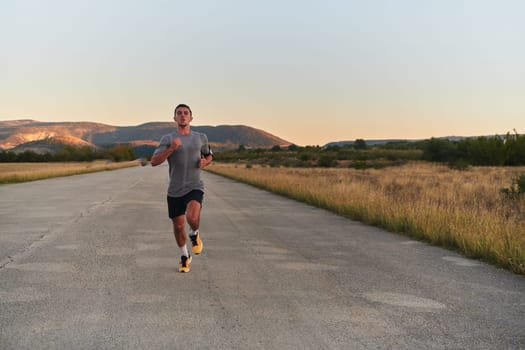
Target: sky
{"points": [[310, 72]]}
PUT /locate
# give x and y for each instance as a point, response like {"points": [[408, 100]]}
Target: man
{"points": [[187, 153]]}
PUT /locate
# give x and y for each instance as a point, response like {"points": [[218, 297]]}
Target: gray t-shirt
{"points": [[185, 174]]}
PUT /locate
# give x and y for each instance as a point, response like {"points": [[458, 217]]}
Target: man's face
{"points": [[183, 116]]}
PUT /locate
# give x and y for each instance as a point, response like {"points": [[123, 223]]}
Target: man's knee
{"points": [[178, 224], [193, 221], [193, 218]]}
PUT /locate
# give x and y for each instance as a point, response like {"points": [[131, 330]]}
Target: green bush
{"points": [[327, 161], [459, 164], [516, 189], [360, 165]]}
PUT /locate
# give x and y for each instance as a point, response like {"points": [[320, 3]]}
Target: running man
{"points": [[187, 153]]}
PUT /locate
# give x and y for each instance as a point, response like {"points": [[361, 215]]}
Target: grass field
{"points": [[461, 210], [22, 172]]}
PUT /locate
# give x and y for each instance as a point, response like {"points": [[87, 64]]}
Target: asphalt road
{"points": [[90, 262]]}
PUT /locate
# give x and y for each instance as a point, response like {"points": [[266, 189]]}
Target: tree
{"points": [[514, 149], [360, 144], [121, 153], [438, 150], [327, 161]]}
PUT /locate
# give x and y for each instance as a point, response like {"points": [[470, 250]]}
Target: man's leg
{"points": [[179, 231], [193, 215], [180, 237]]}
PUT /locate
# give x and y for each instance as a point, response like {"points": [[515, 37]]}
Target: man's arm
{"points": [[160, 157], [205, 161], [206, 153]]}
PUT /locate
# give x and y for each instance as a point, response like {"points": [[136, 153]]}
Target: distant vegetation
{"points": [[495, 151], [315, 156], [508, 150], [119, 153]]}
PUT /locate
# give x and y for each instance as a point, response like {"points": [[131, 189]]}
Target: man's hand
{"points": [[159, 158], [175, 143], [205, 161]]}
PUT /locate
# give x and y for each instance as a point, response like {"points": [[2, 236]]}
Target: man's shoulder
{"points": [[197, 134], [171, 134]]}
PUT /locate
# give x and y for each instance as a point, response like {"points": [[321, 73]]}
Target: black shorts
{"points": [[177, 205]]}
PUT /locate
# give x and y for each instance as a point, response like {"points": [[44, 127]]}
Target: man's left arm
{"points": [[205, 161], [206, 153]]}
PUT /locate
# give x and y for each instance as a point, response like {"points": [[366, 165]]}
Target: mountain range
{"points": [[41, 137]]}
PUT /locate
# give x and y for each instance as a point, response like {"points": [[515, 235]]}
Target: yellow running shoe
{"points": [[196, 243], [184, 265]]}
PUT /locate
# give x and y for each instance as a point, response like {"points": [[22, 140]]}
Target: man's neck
{"points": [[184, 130]]}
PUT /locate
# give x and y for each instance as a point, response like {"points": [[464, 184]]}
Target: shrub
{"points": [[360, 144], [438, 150], [360, 164], [326, 161], [516, 189], [459, 164], [304, 157]]}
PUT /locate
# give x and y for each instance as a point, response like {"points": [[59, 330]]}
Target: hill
{"points": [[373, 142], [368, 142], [51, 144], [19, 135]]}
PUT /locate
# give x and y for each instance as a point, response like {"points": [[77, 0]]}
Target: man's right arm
{"points": [[160, 157]]}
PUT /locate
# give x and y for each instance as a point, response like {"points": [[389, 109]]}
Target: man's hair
{"points": [[182, 105]]}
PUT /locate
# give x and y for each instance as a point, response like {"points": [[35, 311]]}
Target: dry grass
{"points": [[462, 210], [22, 172]]}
